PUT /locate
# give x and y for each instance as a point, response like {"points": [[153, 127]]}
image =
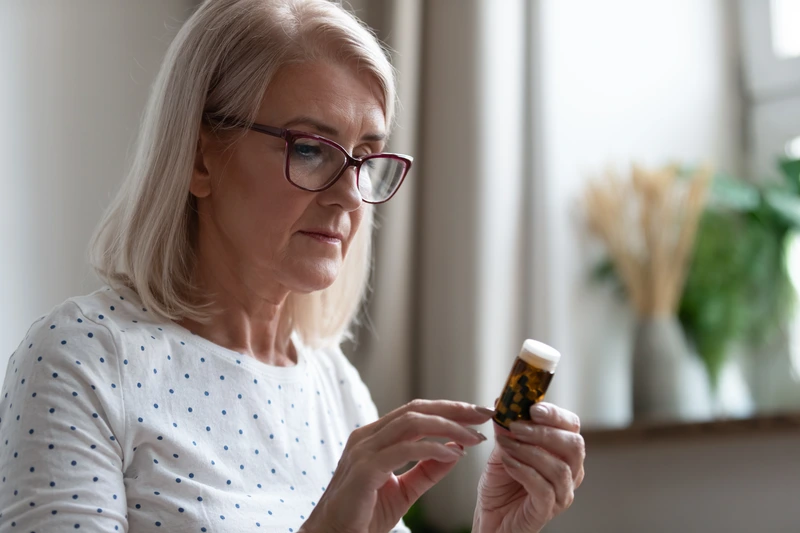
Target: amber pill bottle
{"points": [[527, 383]]}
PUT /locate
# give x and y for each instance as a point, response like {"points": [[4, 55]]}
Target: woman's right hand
{"points": [[365, 495]]}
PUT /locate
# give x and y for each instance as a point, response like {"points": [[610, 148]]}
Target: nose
{"points": [[344, 192]]}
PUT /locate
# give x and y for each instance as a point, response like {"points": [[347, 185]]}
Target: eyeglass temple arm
{"points": [[269, 130]]}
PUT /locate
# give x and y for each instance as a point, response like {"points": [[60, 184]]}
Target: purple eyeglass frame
{"points": [[289, 137]]}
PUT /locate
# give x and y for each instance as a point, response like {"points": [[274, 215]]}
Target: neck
{"points": [[248, 314]]}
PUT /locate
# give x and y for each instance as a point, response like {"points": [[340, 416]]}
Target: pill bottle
{"points": [[527, 383]]}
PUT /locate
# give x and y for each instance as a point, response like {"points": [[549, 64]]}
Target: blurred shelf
{"points": [[659, 432]]}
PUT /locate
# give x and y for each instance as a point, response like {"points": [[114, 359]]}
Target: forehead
{"points": [[333, 93]]}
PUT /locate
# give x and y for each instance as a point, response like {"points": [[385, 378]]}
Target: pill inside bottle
{"points": [[527, 383]]}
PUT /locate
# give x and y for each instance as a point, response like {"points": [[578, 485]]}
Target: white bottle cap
{"points": [[540, 355]]}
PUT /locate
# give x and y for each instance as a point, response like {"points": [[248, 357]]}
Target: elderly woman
{"points": [[203, 389]]}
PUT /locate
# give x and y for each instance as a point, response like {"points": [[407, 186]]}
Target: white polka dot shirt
{"points": [[111, 420]]}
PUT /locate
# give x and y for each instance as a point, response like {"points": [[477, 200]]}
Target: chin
{"points": [[320, 275]]}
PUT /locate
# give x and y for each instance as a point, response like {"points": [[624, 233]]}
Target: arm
{"points": [[61, 459]]}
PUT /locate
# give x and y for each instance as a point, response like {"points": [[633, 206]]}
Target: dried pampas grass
{"points": [[648, 223]]}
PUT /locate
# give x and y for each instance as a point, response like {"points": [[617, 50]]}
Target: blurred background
{"points": [[616, 178]]}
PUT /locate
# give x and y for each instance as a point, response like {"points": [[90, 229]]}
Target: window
{"points": [[784, 20]]}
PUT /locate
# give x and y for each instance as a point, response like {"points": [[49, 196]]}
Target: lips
{"points": [[324, 233]]}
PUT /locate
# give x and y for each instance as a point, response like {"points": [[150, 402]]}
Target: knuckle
{"points": [[412, 418], [580, 446], [569, 498], [563, 473], [549, 498], [417, 404]]}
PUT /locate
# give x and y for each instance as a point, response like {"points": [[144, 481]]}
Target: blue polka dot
{"points": [[90, 334]]}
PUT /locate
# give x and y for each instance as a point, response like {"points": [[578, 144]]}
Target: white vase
{"points": [[669, 382]]}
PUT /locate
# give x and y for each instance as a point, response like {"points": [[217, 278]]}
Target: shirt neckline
{"points": [[283, 373]]}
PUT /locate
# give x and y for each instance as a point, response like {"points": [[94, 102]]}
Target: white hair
{"points": [[221, 61]]}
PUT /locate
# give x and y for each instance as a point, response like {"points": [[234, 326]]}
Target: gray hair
{"points": [[221, 61]]}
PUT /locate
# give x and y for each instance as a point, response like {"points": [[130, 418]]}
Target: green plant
{"points": [[416, 521], [738, 287]]}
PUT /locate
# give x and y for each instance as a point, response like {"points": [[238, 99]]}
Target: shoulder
{"points": [[80, 336], [72, 340]]}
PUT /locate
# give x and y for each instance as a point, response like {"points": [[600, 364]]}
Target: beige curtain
{"points": [[448, 310]]}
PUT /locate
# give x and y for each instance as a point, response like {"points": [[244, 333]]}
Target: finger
{"points": [[534, 484], [412, 426], [396, 456], [563, 444], [552, 415], [554, 470], [425, 475], [462, 413]]}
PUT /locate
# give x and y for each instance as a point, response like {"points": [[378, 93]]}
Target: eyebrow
{"points": [[326, 129]]}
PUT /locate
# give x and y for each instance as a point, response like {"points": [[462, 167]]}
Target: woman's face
{"points": [[254, 223]]}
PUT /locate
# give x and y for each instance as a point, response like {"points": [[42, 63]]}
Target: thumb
{"points": [[425, 475]]}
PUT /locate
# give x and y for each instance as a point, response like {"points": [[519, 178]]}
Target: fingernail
{"points": [[477, 433], [485, 410], [458, 450], [538, 411]]}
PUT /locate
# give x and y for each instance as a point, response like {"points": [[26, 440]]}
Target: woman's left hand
{"points": [[532, 472]]}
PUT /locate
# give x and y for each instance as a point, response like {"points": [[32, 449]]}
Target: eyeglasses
{"points": [[314, 163]]}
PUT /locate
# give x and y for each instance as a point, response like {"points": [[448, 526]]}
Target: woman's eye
{"points": [[307, 149]]}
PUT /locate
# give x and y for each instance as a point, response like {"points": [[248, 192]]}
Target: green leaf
{"points": [[785, 203], [730, 193], [790, 168]]}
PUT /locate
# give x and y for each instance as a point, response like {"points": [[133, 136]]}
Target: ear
{"points": [[200, 185]]}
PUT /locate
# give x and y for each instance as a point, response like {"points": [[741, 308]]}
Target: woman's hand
{"points": [[532, 472], [365, 495]]}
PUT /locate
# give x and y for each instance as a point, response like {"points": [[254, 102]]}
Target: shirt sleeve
{"points": [[61, 424]]}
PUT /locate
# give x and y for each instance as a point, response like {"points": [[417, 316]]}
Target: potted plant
{"points": [[648, 223], [738, 288]]}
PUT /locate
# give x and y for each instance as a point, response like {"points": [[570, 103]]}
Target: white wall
{"points": [[75, 77], [618, 81]]}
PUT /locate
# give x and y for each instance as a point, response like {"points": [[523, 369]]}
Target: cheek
{"points": [[358, 218], [257, 207]]}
